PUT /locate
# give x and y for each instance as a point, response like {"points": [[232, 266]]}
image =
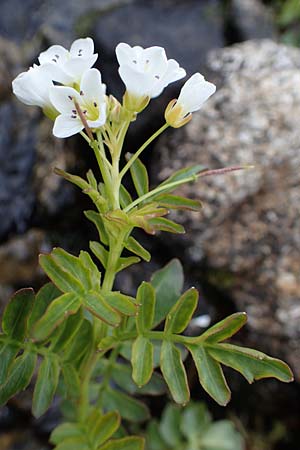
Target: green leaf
{"points": [[45, 386], [253, 365], [126, 443], [60, 277], [19, 378], [125, 262], [68, 332], [100, 252], [66, 431], [56, 313], [162, 224], [195, 420], [42, 300], [122, 376], [135, 247], [139, 177], [210, 374], [124, 304], [15, 316], [104, 427], [8, 352], [168, 284], [98, 306], [154, 440], [180, 315], [78, 443], [96, 219], [224, 329], [92, 179], [169, 427], [126, 348], [146, 300], [177, 202], [174, 372], [182, 174], [142, 360], [81, 345], [222, 435], [125, 197], [87, 261], [128, 407], [75, 179], [71, 380], [73, 265]]}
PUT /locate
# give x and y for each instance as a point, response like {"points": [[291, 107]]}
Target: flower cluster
{"points": [[71, 92]]}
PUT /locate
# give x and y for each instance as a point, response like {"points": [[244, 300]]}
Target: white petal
{"points": [[125, 54], [65, 126], [195, 92], [75, 67], [173, 73], [56, 73], [82, 47], [32, 87], [137, 83], [62, 97], [55, 54], [91, 86], [155, 60]]}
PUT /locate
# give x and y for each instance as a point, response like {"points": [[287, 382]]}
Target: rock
{"points": [[53, 19], [10, 57], [17, 138], [249, 19], [248, 234], [19, 258]]}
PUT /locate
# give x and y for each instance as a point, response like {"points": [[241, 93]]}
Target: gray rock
{"points": [[55, 20], [249, 19], [187, 29], [17, 138], [248, 233]]}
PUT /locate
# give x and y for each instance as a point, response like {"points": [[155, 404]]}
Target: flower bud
{"points": [[175, 116]]}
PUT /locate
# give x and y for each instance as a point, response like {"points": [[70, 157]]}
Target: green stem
{"points": [[141, 149], [107, 374], [116, 153], [84, 401], [115, 249]]}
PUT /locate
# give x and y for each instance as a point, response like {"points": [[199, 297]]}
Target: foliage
{"points": [[191, 429], [287, 15], [95, 347]]}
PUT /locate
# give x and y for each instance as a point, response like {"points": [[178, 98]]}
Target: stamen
{"points": [[70, 97], [95, 104], [134, 61], [157, 77], [80, 52], [74, 111], [147, 61], [83, 120], [56, 56], [73, 116], [54, 60], [81, 93]]}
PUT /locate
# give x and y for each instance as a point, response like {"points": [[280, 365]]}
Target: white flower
{"points": [[193, 94], [146, 72], [65, 66], [90, 102], [32, 87]]}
